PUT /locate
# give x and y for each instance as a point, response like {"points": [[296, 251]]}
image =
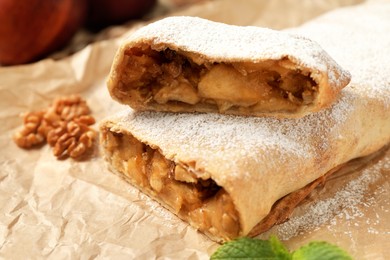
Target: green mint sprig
{"points": [[250, 248]]}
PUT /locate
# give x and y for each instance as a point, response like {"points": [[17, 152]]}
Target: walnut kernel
{"points": [[64, 125], [29, 135]]}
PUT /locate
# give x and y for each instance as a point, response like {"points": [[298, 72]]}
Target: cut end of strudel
{"points": [[187, 64], [232, 176]]}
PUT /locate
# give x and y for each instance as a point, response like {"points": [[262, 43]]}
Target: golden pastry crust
{"points": [[187, 64]]}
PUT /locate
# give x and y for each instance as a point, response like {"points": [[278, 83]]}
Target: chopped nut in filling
{"points": [[201, 202], [170, 77]]}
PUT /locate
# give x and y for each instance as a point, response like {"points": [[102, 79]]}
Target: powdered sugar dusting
{"points": [[228, 43], [346, 203], [210, 137], [361, 46], [222, 137]]}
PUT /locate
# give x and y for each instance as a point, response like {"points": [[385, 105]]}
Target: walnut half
{"points": [[73, 138], [29, 136]]}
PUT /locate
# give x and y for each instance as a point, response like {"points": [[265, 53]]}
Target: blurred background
{"points": [[34, 29]]}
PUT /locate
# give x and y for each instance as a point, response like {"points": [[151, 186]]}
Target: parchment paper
{"points": [[66, 209]]}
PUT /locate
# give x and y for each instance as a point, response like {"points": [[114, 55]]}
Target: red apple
{"points": [[107, 12], [31, 29]]}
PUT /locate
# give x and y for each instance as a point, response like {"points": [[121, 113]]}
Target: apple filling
{"points": [[199, 201], [170, 78]]}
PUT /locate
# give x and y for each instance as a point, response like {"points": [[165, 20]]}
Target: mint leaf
{"points": [[280, 250], [248, 248], [320, 251]]}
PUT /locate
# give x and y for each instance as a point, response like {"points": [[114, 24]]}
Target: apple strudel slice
{"points": [[191, 64], [225, 174]]}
